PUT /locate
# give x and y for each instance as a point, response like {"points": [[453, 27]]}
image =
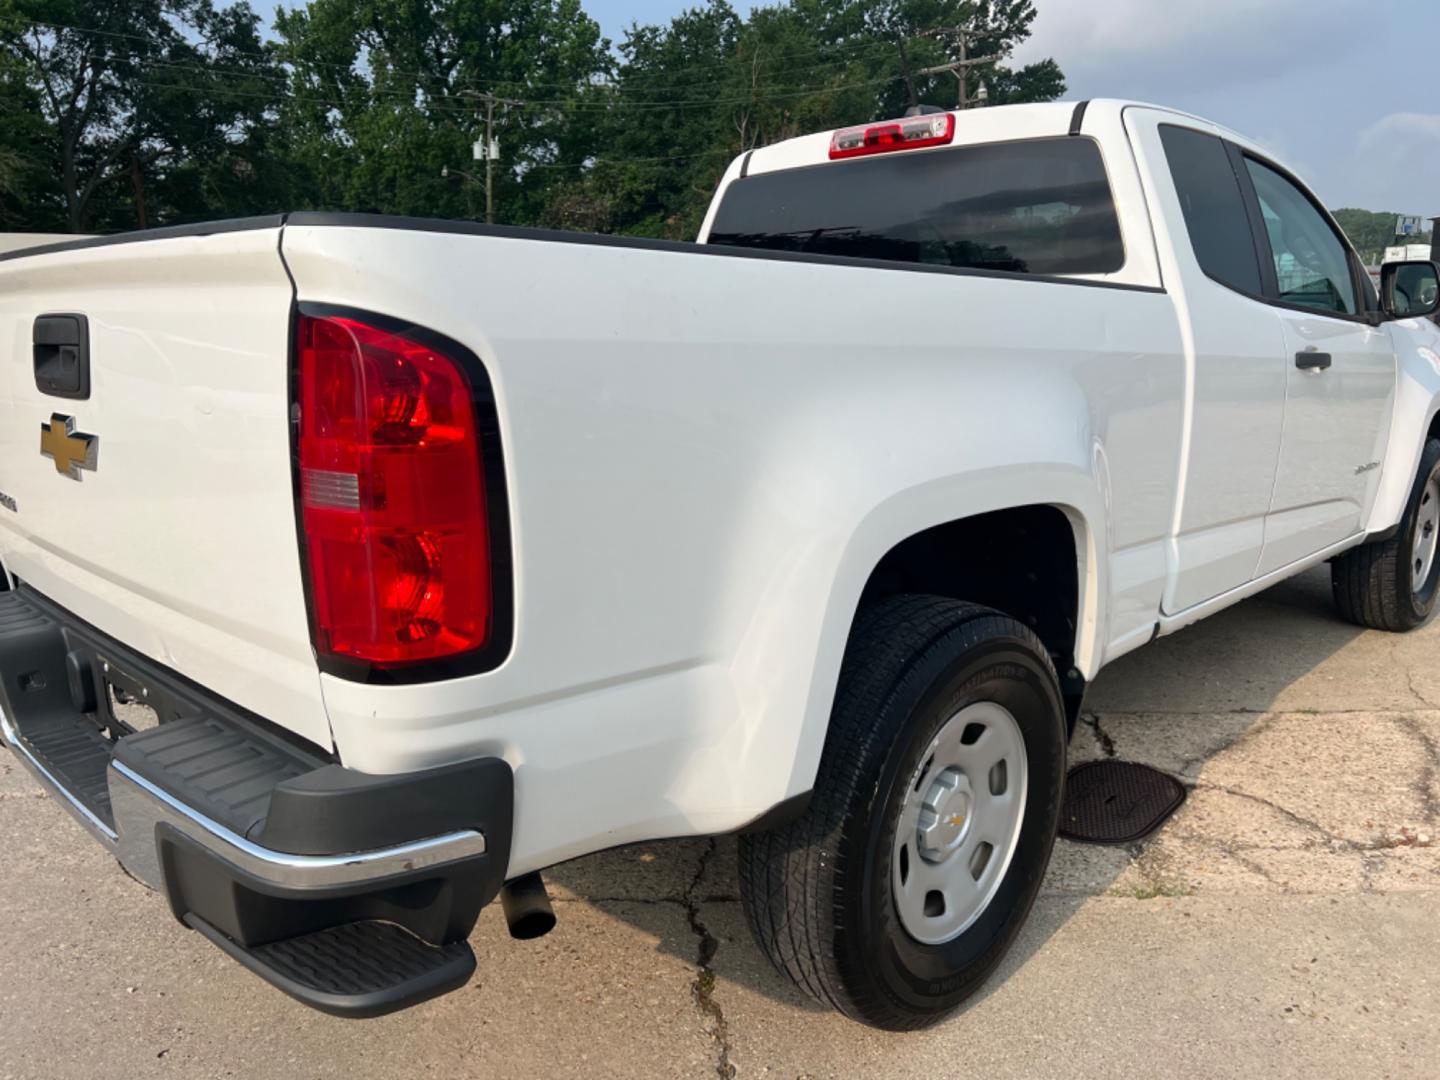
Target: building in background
{"points": [[1407, 252]]}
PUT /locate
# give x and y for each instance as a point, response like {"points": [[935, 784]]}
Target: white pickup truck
{"points": [[441, 554]]}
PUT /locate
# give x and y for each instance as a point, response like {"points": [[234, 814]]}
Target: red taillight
{"points": [[912, 133], [392, 498]]}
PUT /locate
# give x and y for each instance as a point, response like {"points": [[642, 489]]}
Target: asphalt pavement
{"points": [[1283, 924]]}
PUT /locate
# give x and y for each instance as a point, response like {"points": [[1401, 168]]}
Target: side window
{"points": [[1214, 207], [1312, 264]]}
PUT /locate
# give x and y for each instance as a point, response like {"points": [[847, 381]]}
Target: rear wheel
{"points": [[934, 814], [1392, 584]]}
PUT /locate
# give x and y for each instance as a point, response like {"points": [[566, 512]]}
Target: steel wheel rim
{"points": [[960, 823], [1427, 533]]}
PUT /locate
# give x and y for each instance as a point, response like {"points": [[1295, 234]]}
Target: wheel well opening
{"points": [[1020, 561], [1434, 432]]}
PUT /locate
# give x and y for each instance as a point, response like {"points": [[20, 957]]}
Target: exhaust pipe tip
{"points": [[527, 908]]}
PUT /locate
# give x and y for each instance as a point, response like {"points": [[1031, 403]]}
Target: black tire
{"points": [[1374, 584], [817, 892]]}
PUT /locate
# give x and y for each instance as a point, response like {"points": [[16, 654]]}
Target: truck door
{"points": [[1236, 371], [1341, 378]]}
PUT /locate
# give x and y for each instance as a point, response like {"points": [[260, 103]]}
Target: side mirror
{"points": [[1409, 290]]}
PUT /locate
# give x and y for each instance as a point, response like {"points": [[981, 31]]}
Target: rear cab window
{"points": [[1040, 206], [1214, 207]]}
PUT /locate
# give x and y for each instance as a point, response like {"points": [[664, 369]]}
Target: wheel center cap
{"points": [[945, 815]]}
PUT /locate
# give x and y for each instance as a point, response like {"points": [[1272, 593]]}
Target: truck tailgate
{"points": [[178, 535]]}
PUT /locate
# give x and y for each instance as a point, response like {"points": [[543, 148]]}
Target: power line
{"points": [[282, 82], [959, 68], [876, 50], [594, 162], [455, 109]]}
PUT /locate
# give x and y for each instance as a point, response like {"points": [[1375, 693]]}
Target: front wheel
{"points": [[934, 814], [1392, 584]]}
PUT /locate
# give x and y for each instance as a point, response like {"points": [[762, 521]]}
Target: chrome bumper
{"points": [[139, 808]]}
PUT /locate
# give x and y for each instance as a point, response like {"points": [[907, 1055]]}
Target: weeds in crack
{"points": [[702, 990]]}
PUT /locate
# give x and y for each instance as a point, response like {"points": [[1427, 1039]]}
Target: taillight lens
{"points": [[912, 133], [392, 497]]}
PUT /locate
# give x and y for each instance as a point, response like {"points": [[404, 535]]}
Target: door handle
{"points": [[1312, 360]]}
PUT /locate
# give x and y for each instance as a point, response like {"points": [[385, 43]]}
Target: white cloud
{"points": [[1306, 77], [1397, 162], [1179, 44], [1409, 127]]}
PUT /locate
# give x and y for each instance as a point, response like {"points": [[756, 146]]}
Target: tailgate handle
{"points": [[62, 356]]}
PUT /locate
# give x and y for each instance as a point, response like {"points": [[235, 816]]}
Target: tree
{"points": [[122, 115], [129, 91], [932, 33], [691, 95], [27, 197], [382, 100], [1372, 232]]}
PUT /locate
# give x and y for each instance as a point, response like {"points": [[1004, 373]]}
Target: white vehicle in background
{"points": [[446, 553], [1406, 253]]}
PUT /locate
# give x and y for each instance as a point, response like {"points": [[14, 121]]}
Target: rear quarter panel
{"points": [[707, 455]]}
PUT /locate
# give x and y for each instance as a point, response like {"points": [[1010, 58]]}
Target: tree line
{"points": [[1372, 232], [121, 115]]}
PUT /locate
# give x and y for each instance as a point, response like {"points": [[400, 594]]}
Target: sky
{"points": [[1322, 83]]}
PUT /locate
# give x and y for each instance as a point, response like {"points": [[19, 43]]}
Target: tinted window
{"points": [[1311, 262], [1040, 207], [1214, 207]]}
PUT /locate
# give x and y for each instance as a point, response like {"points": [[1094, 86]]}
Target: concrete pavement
{"points": [[1281, 925]]}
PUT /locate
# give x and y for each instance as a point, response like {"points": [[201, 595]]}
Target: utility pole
{"points": [[492, 146], [959, 68], [909, 79]]}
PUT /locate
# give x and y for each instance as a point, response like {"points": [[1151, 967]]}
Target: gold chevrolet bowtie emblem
{"points": [[70, 450]]}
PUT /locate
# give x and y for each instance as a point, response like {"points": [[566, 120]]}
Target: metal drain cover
{"points": [[1117, 802]]}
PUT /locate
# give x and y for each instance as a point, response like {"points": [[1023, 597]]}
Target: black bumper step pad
{"points": [[1117, 802], [358, 970], [78, 756], [34, 691], [223, 767]]}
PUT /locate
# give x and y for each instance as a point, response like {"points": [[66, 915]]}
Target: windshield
{"points": [[1040, 207]]}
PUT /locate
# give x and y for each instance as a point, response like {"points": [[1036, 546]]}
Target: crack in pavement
{"points": [[702, 990], [1415, 691], [1107, 744], [1424, 783], [1305, 823]]}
